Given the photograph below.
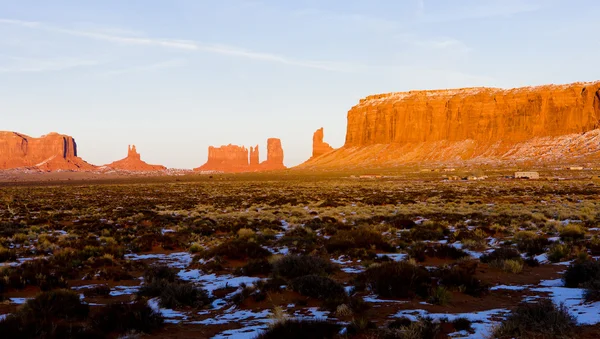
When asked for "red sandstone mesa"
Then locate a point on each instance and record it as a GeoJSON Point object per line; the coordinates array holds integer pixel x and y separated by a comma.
{"type": "Point", "coordinates": [320, 147]}
{"type": "Point", "coordinates": [50, 152]}
{"type": "Point", "coordinates": [134, 163]}
{"type": "Point", "coordinates": [543, 124]}
{"type": "Point", "coordinates": [234, 159]}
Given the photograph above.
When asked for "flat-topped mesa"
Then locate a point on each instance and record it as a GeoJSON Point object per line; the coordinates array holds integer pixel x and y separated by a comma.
{"type": "Point", "coordinates": [319, 146]}
{"type": "Point", "coordinates": [544, 124]}
{"type": "Point", "coordinates": [134, 163]}
{"type": "Point", "coordinates": [234, 159]}
{"type": "Point", "coordinates": [479, 114]}
{"type": "Point", "coordinates": [229, 158]}
{"type": "Point", "coordinates": [274, 156]}
{"type": "Point", "coordinates": [49, 152]}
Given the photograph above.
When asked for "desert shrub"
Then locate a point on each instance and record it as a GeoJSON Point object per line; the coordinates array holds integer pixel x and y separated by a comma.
{"type": "Point", "coordinates": [123, 317]}
{"type": "Point", "coordinates": [175, 294]}
{"type": "Point", "coordinates": [301, 329]}
{"type": "Point", "coordinates": [160, 272]}
{"type": "Point", "coordinates": [581, 272]}
{"type": "Point", "coordinates": [396, 280]}
{"type": "Point", "coordinates": [195, 248]}
{"type": "Point", "coordinates": [255, 267]}
{"type": "Point", "coordinates": [501, 254]}
{"type": "Point", "coordinates": [6, 254]}
{"type": "Point", "coordinates": [558, 252]}
{"type": "Point", "coordinates": [531, 244]}
{"type": "Point", "coordinates": [316, 286]}
{"type": "Point", "coordinates": [444, 251]}
{"type": "Point", "coordinates": [57, 304]}
{"type": "Point", "coordinates": [572, 232]}
{"type": "Point", "coordinates": [512, 266]}
{"type": "Point", "coordinates": [418, 251]}
{"type": "Point", "coordinates": [238, 249]}
{"type": "Point", "coordinates": [462, 324]}
{"type": "Point", "coordinates": [462, 277]}
{"type": "Point", "coordinates": [429, 230]}
{"type": "Point", "coordinates": [592, 290]}
{"type": "Point", "coordinates": [357, 238]}
{"type": "Point", "coordinates": [543, 319]}
{"type": "Point", "coordinates": [422, 328]}
{"type": "Point", "coordinates": [401, 222]}
{"type": "Point", "coordinates": [294, 266]}
{"type": "Point", "coordinates": [440, 296]}
{"type": "Point", "coordinates": [99, 290]}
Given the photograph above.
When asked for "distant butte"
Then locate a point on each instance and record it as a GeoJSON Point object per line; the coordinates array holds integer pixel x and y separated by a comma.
{"type": "Point", "coordinates": [134, 163]}
{"type": "Point", "coordinates": [51, 152]}
{"type": "Point", "coordinates": [544, 124]}
{"type": "Point", "coordinates": [235, 159]}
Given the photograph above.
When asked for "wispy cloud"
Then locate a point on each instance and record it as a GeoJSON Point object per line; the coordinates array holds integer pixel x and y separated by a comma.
{"type": "Point", "coordinates": [34, 65]}
{"type": "Point", "coordinates": [185, 45]}
{"type": "Point", "coordinates": [481, 10]}
{"type": "Point", "coordinates": [146, 68]}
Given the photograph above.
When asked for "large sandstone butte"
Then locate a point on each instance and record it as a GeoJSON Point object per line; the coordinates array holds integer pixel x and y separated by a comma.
{"type": "Point", "coordinates": [319, 146]}
{"type": "Point", "coordinates": [235, 159]}
{"type": "Point", "coordinates": [50, 152]}
{"type": "Point", "coordinates": [134, 163]}
{"type": "Point", "coordinates": [553, 123]}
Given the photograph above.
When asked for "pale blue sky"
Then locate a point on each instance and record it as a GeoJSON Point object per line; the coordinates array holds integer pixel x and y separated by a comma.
{"type": "Point", "coordinates": [174, 76]}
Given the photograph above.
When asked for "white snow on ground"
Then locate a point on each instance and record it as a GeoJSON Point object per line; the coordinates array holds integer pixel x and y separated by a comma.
{"type": "Point", "coordinates": [175, 260]}
{"type": "Point", "coordinates": [542, 258]}
{"type": "Point", "coordinates": [4, 316]}
{"type": "Point", "coordinates": [393, 256]}
{"type": "Point", "coordinates": [279, 250]}
{"type": "Point", "coordinates": [248, 332]}
{"type": "Point", "coordinates": [552, 283]}
{"type": "Point", "coordinates": [171, 316]}
{"type": "Point", "coordinates": [123, 290]}
{"type": "Point", "coordinates": [508, 287]}
{"type": "Point", "coordinates": [585, 313]}
{"type": "Point", "coordinates": [236, 315]}
{"type": "Point", "coordinates": [212, 282]}
{"type": "Point", "coordinates": [313, 313]}
{"type": "Point", "coordinates": [345, 265]}
{"type": "Point", "coordinates": [374, 299]}
{"type": "Point", "coordinates": [18, 301]}
{"type": "Point", "coordinates": [482, 322]}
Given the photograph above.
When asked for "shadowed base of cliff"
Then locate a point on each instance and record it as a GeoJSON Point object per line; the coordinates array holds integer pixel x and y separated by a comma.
{"type": "Point", "coordinates": [543, 150]}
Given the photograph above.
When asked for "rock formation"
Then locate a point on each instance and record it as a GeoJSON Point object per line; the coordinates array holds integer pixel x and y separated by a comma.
{"type": "Point", "coordinates": [254, 157]}
{"type": "Point", "coordinates": [50, 152]}
{"type": "Point", "coordinates": [320, 147]}
{"type": "Point", "coordinates": [545, 123]}
{"type": "Point", "coordinates": [274, 156]}
{"type": "Point", "coordinates": [134, 163]}
{"type": "Point", "coordinates": [234, 159]}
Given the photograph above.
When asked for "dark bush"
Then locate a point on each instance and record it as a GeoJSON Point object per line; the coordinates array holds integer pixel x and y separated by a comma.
{"type": "Point", "coordinates": [301, 329]}
{"type": "Point", "coordinates": [316, 286]}
{"type": "Point", "coordinates": [99, 290]}
{"type": "Point", "coordinates": [538, 320]}
{"type": "Point", "coordinates": [581, 272]}
{"type": "Point", "coordinates": [57, 304]}
{"type": "Point", "coordinates": [462, 324]}
{"type": "Point", "coordinates": [357, 238]}
{"type": "Point", "coordinates": [238, 249]}
{"type": "Point", "coordinates": [533, 245]}
{"type": "Point", "coordinates": [462, 277]}
{"type": "Point", "coordinates": [255, 267]}
{"type": "Point", "coordinates": [444, 251]}
{"type": "Point", "coordinates": [175, 294]}
{"type": "Point", "coordinates": [160, 272]}
{"type": "Point", "coordinates": [429, 231]}
{"type": "Point", "coordinates": [501, 254]}
{"type": "Point", "coordinates": [294, 266]}
{"type": "Point", "coordinates": [401, 222]}
{"type": "Point", "coordinates": [396, 280]}
{"type": "Point", "coordinates": [124, 317]}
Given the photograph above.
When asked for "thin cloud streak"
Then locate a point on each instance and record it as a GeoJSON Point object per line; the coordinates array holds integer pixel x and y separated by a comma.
{"type": "Point", "coordinates": [187, 45]}
{"type": "Point", "coordinates": [145, 68]}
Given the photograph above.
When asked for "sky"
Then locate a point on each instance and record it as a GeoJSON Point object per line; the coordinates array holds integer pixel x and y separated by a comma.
{"type": "Point", "coordinates": [175, 76]}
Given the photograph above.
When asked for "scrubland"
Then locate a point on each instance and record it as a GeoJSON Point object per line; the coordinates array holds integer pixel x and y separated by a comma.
{"type": "Point", "coordinates": [301, 256]}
